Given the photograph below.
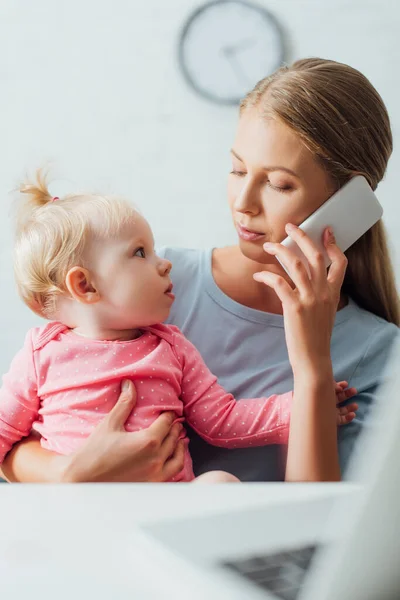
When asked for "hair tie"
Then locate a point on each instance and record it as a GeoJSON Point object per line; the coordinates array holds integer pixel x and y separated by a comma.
{"type": "Point", "coordinates": [55, 198]}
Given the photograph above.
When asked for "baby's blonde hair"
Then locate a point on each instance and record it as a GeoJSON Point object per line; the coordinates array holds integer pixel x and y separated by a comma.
{"type": "Point", "coordinates": [51, 236]}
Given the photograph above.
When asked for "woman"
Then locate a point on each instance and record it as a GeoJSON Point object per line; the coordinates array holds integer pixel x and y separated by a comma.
{"type": "Point", "coordinates": [303, 132]}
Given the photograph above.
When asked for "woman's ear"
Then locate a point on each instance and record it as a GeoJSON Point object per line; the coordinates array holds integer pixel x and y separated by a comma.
{"type": "Point", "coordinates": [80, 286]}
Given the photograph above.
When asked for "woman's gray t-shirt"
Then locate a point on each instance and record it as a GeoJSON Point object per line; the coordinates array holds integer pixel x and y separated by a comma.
{"type": "Point", "coordinates": [246, 349]}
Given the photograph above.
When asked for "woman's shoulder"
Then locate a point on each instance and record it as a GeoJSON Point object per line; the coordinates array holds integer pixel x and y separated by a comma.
{"type": "Point", "coordinates": [372, 338]}
{"type": "Point", "coordinates": [377, 329]}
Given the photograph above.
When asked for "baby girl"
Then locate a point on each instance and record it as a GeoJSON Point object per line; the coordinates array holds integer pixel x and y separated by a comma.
{"type": "Point", "coordinates": [87, 264]}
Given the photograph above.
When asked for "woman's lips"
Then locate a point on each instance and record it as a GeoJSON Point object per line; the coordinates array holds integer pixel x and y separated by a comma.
{"type": "Point", "coordinates": [247, 234]}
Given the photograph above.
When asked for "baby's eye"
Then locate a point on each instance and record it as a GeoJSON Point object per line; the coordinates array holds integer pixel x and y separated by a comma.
{"type": "Point", "coordinates": [140, 252]}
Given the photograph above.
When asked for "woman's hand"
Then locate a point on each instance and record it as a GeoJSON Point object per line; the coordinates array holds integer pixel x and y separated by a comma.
{"type": "Point", "coordinates": [109, 454]}
{"type": "Point", "coordinates": [309, 314]}
{"type": "Point", "coordinates": [113, 454]}
{"type": "Point", "coordinates": [309, 310]}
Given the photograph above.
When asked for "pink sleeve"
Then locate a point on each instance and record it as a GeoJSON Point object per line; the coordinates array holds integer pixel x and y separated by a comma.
{"type": "Point", "coordinates": [19, 403]}
{"type": "Point", "coordinates": [220, 419]}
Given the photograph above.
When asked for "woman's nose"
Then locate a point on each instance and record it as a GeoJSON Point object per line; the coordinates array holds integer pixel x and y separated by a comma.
{"type": "Point", "coordinates": [164, 266]}
{"type": "Point", "coordinates": [247, 200]}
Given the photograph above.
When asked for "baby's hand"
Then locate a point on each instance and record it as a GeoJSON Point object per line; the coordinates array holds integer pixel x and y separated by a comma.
{"type": "Point", "coordinates": [345, 414]}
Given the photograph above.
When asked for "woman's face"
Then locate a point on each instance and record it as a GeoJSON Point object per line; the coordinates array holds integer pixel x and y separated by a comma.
{"type": "Point", "coordinates": [274, 180]}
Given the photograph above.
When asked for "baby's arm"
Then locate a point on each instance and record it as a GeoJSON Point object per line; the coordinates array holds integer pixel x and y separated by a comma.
{"type": "Point", "coordinates": [19, 402]}
{"type": "Point", "coordinates": [215, 414]}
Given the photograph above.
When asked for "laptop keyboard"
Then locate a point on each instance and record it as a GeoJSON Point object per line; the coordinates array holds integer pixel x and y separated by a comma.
{"type": "Point", "coordinates": [282, 573]}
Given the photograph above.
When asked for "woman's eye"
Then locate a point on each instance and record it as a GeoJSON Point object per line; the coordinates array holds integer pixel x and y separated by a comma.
{"type": "Point", "coordinates": [140, 252]}
{"type": "Point", "coordinates": [278, 188]}
{"type": "Point", "coordinates": [238, 173]}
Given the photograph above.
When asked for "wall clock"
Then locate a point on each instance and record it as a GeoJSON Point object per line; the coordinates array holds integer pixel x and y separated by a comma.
{"type": "Point", "coordinates": [226, 46]}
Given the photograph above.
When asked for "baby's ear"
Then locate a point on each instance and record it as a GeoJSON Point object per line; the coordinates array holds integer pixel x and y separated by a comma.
{"type": "Point", "coordinates": [80, 286]}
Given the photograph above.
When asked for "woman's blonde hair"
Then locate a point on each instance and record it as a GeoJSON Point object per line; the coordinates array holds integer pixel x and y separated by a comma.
{"type": "Point", "coordinates": [342, 120]}
{"type": "Point", "coordinates": [51, 236]}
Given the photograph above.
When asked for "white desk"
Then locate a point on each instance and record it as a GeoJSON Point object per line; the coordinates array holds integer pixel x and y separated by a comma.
{"type": "Point", "coordinates": [82, 541]}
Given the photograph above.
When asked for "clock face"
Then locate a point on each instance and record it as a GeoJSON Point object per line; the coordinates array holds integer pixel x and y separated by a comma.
{"type": "Point", "coordinates": [227, 46]}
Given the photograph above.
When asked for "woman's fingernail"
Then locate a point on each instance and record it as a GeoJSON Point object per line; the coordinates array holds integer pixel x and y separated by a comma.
{"type": "Point", "coordinates": [331, 235]}
{"type": "Point", "coordinates": [290, 227]}
{"type": "Point", "coordinates": [268, 245]}
{"type": "Point", "coordinates": [126, 385]}
{"type": "Point", "coordinates": [257, 276]}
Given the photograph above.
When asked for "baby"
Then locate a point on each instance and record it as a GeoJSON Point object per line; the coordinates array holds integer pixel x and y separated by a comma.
{"type": "Point", "coordinates": [87, 263]}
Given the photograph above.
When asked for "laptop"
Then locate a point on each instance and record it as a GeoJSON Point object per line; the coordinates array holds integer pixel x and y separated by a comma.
{"type": "Point", "coordinates": [337, 546]}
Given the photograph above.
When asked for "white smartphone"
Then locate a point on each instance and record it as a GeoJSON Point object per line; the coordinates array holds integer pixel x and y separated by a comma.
{"type": "Point", "coordinates": [351, 211]}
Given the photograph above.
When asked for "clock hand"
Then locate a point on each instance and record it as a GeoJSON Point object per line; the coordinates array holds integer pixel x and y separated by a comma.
{"type": "Point", "coordinates": [237, 69]}
{"type": "Point", "coordinates": [229, 50]}
{"type": "Point", "coordinates": [230, 53]}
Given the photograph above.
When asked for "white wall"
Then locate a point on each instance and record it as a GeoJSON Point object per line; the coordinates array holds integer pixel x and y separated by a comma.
{"type": "Point", "coordinates": [93, 85]}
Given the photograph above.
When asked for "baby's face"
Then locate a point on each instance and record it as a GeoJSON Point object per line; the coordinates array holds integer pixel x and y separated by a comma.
{"type": "Point", "coordinates": [132, 280]}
